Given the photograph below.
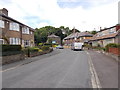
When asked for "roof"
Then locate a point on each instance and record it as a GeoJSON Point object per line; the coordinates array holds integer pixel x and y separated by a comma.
{"type": "Point", "coordinates": [77, 35]}
{"type": "Point", "coordinates": [105, 36]}
{"type": "Point", "coordinates": [117, 27]}
{"type": "Point", "coordinates": [54, 36]}
{"type": "Point", "coordinates": [14, 20]}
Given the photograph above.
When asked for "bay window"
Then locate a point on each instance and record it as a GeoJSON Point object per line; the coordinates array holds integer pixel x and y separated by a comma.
{"type": "Point", "coordinates": [15, 41]}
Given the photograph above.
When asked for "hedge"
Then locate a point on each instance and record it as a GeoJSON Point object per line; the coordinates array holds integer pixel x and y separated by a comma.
{"type": "Point", "coordinates": [10, 49]}
{"type": "Point", "coordinates": [113, 45]}
{"type": "Point", "coordinates": [6, 48]}
{"type": "Point", "coordinates": [8, 53]}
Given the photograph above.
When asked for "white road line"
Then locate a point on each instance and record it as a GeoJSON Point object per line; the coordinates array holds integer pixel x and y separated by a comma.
{"type": "Point", "coordinates": [11, 68]}
{"type": "Point", "coordinates": [94, 77]}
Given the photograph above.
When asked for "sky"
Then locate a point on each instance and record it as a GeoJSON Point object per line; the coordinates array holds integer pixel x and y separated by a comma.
{"type": "Point", "coordinates": [84, 15]}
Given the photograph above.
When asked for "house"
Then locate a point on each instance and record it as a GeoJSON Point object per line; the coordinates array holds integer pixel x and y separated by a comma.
{"type": "Point", "coordinates": [54, 39]}
{"type": "Point", "coordinates": [106, 36]}
{"type": "Point", "coordinates": [14, 32]}
{"type": "Point", "coordinates": [83, 37]}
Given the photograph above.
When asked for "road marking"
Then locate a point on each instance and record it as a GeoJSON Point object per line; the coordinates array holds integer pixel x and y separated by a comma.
{"type": "Point", "coordinates": [94, 77]}
{"type": "Point", "coordinates": [11, 68]}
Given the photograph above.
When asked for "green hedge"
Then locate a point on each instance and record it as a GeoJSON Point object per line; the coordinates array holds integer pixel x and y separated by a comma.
{"type": "Point", "coordinates": [10, 49]}
{"type": "Point", "coordinates": [8, 53]}
{"type": "Point", "coordinates": [113, 45]}
{"type": "Point", "coordinates": [6, 48]}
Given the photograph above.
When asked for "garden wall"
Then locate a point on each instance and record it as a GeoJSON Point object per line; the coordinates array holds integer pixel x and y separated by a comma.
{"type": "Point", "coordinates": [115, 51]}
{"type": "Point", "coordinates": [12, 58]}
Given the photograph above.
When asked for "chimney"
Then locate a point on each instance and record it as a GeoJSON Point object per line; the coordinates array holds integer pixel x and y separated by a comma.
{"type": "Point", "coordinates": [100, 28]}
{"type": "Point", "coordinates": [4, 11]}
{"type": "Point", "coordinates": [74, 30]}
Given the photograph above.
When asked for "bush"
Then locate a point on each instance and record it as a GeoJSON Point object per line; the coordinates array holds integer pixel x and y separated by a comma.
{"type": "Point", "coordinates": [11, 48]}
{"type": "Point", "coordinates": [31, 49]}
{"type": "Point", "coordinates": [113, 45]}
{"type": "Point", "coordinates": [45, 48]}
{"type": "Point", "coordinates": [41, 44]}
{"type": "Point", "coordinates": [8, 53]}
{"type": "Point", "coordinates": [48, 44]}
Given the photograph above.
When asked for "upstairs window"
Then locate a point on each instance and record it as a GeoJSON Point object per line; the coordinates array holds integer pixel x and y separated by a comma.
{"type": "Point", "coordinates": [112, 30]}
{"type": "Point", "coordinates": [2, 24]}
{"type": "Point", "coordinates": [14, 26]}
{"type": "Point", "coordinates": [25, 30]}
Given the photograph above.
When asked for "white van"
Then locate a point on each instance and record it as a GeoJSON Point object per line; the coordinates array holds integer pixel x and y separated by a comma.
{"type": "Point", "coordinates": [77, 46]}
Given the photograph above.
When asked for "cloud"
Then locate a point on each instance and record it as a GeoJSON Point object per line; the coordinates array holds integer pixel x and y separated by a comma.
{"type": "Point", "coordinates": [86, 4]}
{"type": "Point", "coordinates": [39, 13]}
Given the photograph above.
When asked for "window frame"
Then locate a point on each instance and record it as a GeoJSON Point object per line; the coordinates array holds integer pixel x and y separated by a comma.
{"type": "Point", "coordinates": [2, 25]}
{"type": "Point", "coordinates": [14, 26]}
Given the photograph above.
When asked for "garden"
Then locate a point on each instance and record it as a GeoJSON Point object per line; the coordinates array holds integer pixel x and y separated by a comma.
{"type": "Point", "coordinates": [11, 53]}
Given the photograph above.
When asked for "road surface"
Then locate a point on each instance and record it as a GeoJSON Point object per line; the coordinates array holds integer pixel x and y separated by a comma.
{"type": "Point", "coordinates": [67, 69]}
{"type": "Point", "coordinates": [63, 68]}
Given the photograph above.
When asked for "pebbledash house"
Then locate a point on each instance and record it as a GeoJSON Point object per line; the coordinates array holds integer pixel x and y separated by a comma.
{"type": "Point", "coordinates": [14, 32]}
{"type": "Point", "coordinates": [106, 36]}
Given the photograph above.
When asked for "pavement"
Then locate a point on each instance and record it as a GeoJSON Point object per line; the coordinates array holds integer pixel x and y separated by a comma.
{"type": "Point", "coordinates": [106, 68]}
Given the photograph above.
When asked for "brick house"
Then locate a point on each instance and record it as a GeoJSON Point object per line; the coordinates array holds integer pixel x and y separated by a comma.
{"type": "Point", "coordinates": [14, 32]}
{"type": "Point", "coordinates": [54, 39]}
{"type": "Point", "coordinates": [83, 37]}
{"type": "Point", "coordinates": [106, 36]}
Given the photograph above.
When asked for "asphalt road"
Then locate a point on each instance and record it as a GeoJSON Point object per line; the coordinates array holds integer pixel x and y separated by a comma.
{"type": "Point", "coordinates": [66, 69]}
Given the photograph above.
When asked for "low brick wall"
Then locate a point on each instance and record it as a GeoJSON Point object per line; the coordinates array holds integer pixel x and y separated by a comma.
{"type": "Point", "coordinates": [12, 58]}
{"type": "Point", "coordinates": [115, 51]}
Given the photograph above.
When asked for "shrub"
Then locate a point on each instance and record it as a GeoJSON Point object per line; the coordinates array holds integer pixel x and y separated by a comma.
{"type": "Point", "coordinates": [41, 44]}
{"type": "Point", "coordinates": [45, 48]}
{"type": "Point", "coordinates": [40, 50]}
{"type": "Point", "coordinates": [10, 49]}
{"type": "Point", "coordinates": [48, 44]}
{"type": "Point", "coordinates": [113, 45]}
{"type": "Point", "coordinates": [33, 49]}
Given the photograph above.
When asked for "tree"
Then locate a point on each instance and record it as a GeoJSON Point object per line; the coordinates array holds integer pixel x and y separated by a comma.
{"type": "Point", "coordinates": [93, 32]}
{"type": "Point", "coordinates": [41, 34]}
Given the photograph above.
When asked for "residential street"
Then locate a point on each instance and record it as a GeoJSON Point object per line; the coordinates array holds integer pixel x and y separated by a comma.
{"type": "Point", "coordinates": [61, 69]}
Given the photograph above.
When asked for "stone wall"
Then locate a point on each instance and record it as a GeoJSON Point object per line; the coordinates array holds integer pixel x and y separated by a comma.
{"type": "Point", "coordinates": [12, 58]}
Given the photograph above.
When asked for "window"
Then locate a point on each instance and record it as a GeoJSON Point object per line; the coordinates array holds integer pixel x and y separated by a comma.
{"type": "Point", "coordinates": [25, 30]}
{"type": "Point", "coordinates": [15, 41]}
{"type": "Point", "coordinates": [112, 30]}
{"type": "Point", "coordinates": [1, 41]}
{"type": "Point", "coordinates": [26, 43]}
{"type": "Point", "coordinates": [2, 24]}
{"type": "Point", "coordinates": [31, 32]}
{"type": "Point", "coordinates": [14, 26]}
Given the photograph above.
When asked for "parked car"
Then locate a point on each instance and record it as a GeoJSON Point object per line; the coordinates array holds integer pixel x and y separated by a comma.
{"type": "Point", "coordinates": [59, 47]}
{"type": "Point", "coordinates": [77, 46]}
